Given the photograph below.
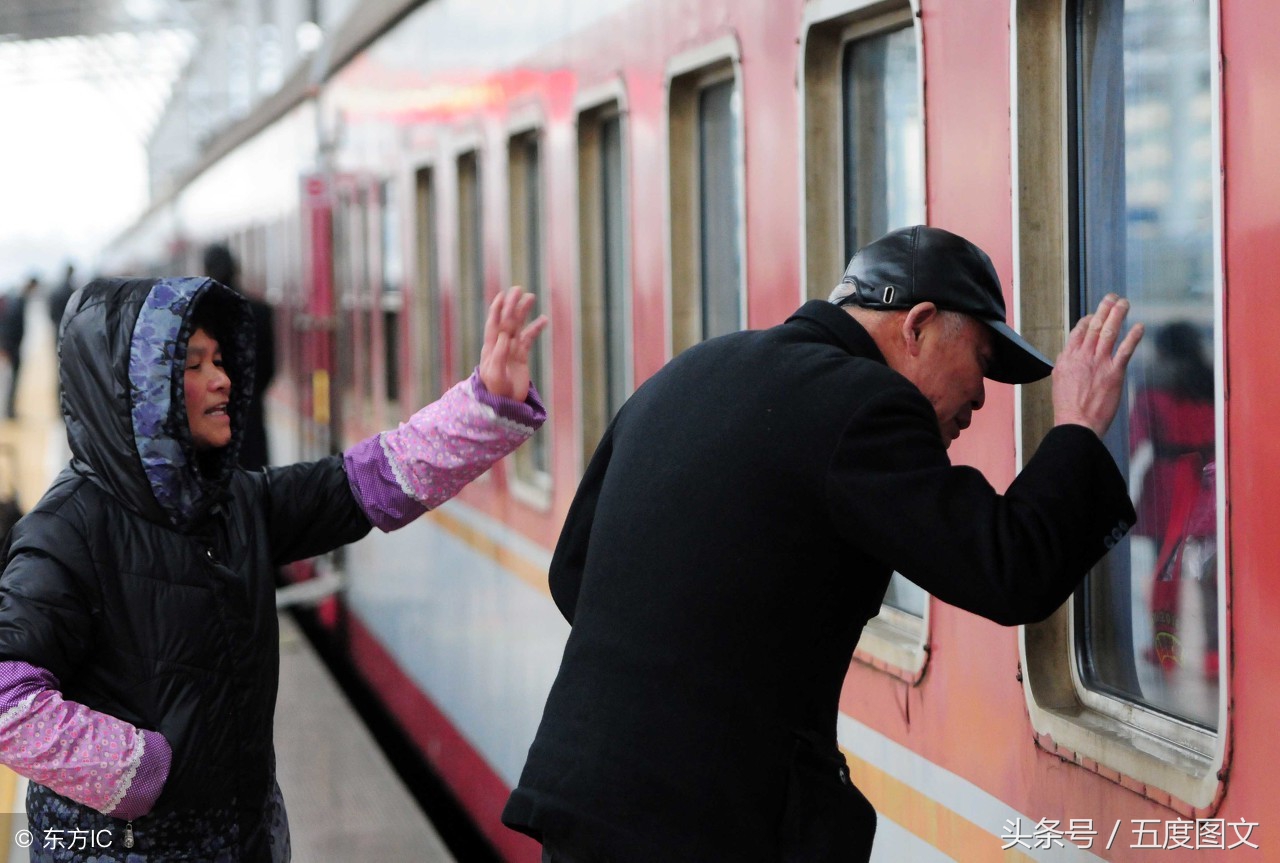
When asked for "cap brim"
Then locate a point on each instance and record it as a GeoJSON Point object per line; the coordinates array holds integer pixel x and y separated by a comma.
{"type": "Point", "coordinates": [1015, 360]}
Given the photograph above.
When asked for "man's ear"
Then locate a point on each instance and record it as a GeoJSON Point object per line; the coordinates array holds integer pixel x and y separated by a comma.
{"type": "Point", "coordinates": [913, 324]}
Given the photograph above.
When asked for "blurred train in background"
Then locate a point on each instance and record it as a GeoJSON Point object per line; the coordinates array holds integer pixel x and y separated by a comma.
{"type": "Point", "coordinates": [666, 171]}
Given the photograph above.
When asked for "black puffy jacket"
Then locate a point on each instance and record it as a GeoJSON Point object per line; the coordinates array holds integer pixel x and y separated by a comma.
{"type": "Point", "coordinates": [143, 578]}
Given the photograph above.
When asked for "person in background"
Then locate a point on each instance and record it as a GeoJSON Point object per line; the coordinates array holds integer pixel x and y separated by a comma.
{"type": "Point", "coordinates": [13, 328]}
{"type": "Point", "coordinates": [59, 296]}
{"type": "Point", "coordinates": [738, 526]}
{"type": "Point", "coordinates": [58, 299]}
{"type": "Point", "coordinates": [139, 645]}
{"type": "Point", "coordinates": [1172, 436]}
{"type": "Point", "coordinates": [221, 266]}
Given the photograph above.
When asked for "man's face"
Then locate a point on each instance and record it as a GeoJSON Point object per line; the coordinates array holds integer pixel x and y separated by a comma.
{"type": "Point", "coordinates": [949, 371]}
{"type": "Point", "coordinates": [208, 392]}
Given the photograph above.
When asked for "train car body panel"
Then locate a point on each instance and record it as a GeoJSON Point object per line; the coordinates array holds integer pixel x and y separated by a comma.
{"type": "Point", "coordinates": [478, 642]}
{"type": "Point", "coordinates": [1251, 70]}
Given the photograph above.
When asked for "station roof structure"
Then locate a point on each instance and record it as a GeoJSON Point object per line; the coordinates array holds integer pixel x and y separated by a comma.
{"type": "Point", "coordinates": [70, 69]}
{"type": "Point", "coordinates": [22, 20]}
{"type": "Point", "coordinates": [131, 50]}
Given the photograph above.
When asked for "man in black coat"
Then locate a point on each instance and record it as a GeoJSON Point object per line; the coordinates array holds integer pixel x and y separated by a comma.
{"type": "Point", "coordinates": [738, 526]}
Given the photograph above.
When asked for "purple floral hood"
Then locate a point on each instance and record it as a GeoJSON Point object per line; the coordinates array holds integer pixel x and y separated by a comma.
{"type": "Point", "coordinates": [123, 355]}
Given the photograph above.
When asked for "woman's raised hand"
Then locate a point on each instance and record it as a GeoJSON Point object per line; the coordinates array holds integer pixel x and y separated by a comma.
{"type": "Point", "coordinates": [504, 359]}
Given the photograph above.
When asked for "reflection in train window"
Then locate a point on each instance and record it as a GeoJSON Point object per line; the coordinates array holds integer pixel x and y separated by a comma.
{"type": "Point", "coordinates": [1147, 621]}
{"type": "Point", "coordinates": [707, 283]}
{"type": "Point", "coordinates": [531, 462]}
{"type": "Point", "coordinates": [471, 301]}
{"type": "Point", "coordinates": [391, 298]}
{"type": "Point", "coordinates": [604, 317]}
{"type": "Point", "coordinates": [883, 137]}
{"type": "Point", "coordinates": [426, 302]}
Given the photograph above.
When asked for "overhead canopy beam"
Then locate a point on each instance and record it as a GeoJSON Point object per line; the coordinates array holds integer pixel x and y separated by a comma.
{"type": "Point", "coordinates": [52, 19]}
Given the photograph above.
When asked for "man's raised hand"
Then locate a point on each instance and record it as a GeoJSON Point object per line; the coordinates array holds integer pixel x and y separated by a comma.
{"type": "Point", "coordinates": [1088, 376]}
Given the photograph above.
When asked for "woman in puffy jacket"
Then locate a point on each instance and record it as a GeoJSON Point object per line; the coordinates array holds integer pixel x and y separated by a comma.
{"type": "Point", "coordinates": [139, 651]}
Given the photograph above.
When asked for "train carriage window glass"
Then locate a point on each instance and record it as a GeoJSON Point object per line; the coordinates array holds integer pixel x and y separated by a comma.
{"type": "Point", "coordinates": [707, 283]}
{"type": "Point", "coordinates": [345, 278]}
{"type": "Point", "coordinates": [720, 207]}
{"type": "Point", "coordinates": [905, 596]}
{"type": "Point", "coordinates": [471, 298]}
{"type": "Point", "coordinates": [426, 301]}
{"type": "Point", "coordinates": [362, 283]}
{"type": "Point", "coordinates": [615, 261]}
{"type": "Point", "coordinates": [603, 271]}
{"type": "Point", "coordinates": [391, 300]}
{"type": "Point", "coordinates": [350, 247]}
{"type": "Point", "coordinates": [883, 137]}
{"type": "Point", "coordinates": [532, 462]}
{"type": "Point", "coordinates": [1147, 620]}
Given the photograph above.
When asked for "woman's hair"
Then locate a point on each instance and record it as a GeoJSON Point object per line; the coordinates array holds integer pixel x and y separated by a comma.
{"type": "Point", "coordinates": [215, 315]}
{"type": "Point", "coordinates": [1181, 361]}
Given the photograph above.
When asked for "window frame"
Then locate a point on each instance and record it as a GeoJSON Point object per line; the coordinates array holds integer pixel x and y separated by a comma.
{"type": "Point", "coordinates": [469, 259]}
{"type": "Point", "coordinates": [430, 354]}
{"type": "Point", "coordinates": [828, 29]}
{"type": "Point", "coordinates": [527, 482]}
{"type": "Point", "coordinates": [352, 295]}
{"type": "Point", "coordinates": [687, 76]}
{"type": "Point", "coordinates": [593, 109]}
{"type": "Point", "coordinates": [1176, 763]}
{"type": "Point", "coordinates": [390, 303]}
{"type": "Point", "coordinates": [894, 641]}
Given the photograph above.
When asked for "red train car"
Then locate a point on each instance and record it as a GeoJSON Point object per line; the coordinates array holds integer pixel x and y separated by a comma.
{"type": "Point", "coordinates": [667, 171]}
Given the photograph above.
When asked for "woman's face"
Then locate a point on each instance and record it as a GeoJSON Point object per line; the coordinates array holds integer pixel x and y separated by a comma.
{"type": "Point", "coordinates": [208, 393]}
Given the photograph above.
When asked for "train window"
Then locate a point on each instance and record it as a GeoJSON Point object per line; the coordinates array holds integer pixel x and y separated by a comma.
{"type": "Point", "coordinates": [1144, 187]}
{"type": "Point", "coordinates": [604, 285]}
{"type": "Point", "coordinates": [720, 199]}
{"type": "Point", "coordinates": [531, 462]}
{"type": "Point", "coordinates": [426, 301]}
{"type": "Point", "coordinates": [708, 285]}
{"type": "Point", "coordinates": [361, 295]}
{"type": "Point", "coordinates": [1140, 119]}
{"type": "Point", "coordinates": [471, 301]}
{"type": "Point", "coordinates": [346, 274]}
{"type": "Point", "coordinates": [278, 250]}
{"type": "Point", "coordinates": [864, 124]}
{"type": "Point", "coordinates": [351, 252]}
{"type": "Point", "coordinates": [391, 299]}
{"type": "Point", "coordinates": [883, 136]}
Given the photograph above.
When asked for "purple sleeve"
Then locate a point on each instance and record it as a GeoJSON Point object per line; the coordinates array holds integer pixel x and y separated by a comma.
{"type": "Point", "coordinates": [88, 756]}
{"type": "Point", "coordinates": [398, 475]}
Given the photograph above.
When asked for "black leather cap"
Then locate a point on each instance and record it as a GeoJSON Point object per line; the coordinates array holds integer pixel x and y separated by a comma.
{"type": "Point", "coordinates": [921, 264]}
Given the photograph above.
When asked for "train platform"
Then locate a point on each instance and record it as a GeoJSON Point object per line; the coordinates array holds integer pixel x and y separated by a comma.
{"type": "Point", "coordinates": [344, 799]}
